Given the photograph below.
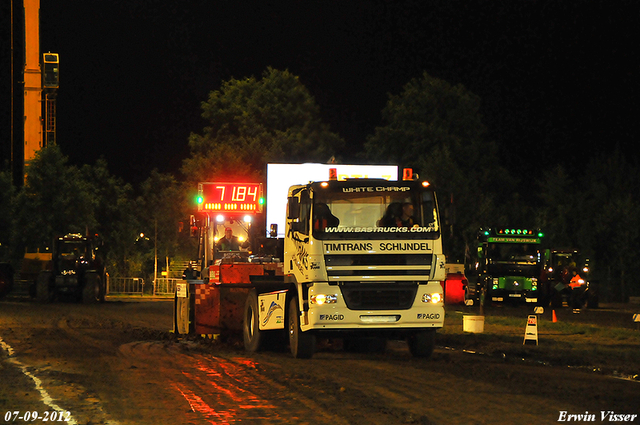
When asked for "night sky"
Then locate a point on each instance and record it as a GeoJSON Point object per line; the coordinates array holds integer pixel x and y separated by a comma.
{"type": "Point", "coordinates": [558, 79]}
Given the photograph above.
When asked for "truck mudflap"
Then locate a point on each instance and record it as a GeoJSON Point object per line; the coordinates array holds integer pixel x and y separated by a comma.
{"type": "Point", "coordinates": [272, 307]}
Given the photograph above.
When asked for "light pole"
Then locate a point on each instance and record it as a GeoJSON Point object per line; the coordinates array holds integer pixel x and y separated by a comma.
{"type": "Point", "coordinates": [155, 257]}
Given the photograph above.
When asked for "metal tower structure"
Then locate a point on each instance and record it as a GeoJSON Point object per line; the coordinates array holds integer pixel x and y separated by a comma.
{"type": "Point", "coordinates": [34, 85]}
{"type": "Point", "coordinates": [32, 80]}
{"type": "Point", "coordinates": [50, 82]}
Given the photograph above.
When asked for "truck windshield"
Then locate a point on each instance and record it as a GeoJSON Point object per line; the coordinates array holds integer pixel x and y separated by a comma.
{"type": "Point", "coordinates": [375, 215]}
{"type": "Point", "coordinates": [72, 250]}
{"type": "Point", "coordinates": [501, 253]}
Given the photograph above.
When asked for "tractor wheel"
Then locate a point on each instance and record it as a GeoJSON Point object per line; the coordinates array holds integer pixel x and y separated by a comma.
{"type": "Point", "coordinates": [91, 291]}
{"type": "Point", "coordinates": [302, 344]}
{"type": "Point", "coordinates": [422, 343]}
{"type": "Point", "coordinates": [43, 293]}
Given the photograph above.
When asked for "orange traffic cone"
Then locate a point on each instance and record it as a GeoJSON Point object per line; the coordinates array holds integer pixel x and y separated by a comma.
{"type": "Point", "coordinates": [553, 315]}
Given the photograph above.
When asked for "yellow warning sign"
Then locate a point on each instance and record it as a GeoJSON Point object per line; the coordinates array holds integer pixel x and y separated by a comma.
{"type": "Point", "coordinates": [531, 331]}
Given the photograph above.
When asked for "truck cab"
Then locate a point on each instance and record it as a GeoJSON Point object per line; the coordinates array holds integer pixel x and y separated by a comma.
{"type": "Point", "coordinates": [364, 258]}
{"type": "Point", "coordinates": [509, 265]}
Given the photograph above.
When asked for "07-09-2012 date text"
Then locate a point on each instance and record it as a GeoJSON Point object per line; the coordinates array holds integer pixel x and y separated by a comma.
{"type": "Point", "coordinates": [32, 416]}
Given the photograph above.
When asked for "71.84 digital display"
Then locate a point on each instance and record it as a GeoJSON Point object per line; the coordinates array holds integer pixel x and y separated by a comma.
{"type": "Point", "coordinates": [230, 197]}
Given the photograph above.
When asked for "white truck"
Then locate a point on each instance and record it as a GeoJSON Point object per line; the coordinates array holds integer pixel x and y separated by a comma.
{"type": "Point", "coordinates": [362, 259]}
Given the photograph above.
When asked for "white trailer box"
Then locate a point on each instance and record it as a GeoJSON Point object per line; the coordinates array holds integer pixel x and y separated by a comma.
{"type": "Point", "coordinates": [282, 176]}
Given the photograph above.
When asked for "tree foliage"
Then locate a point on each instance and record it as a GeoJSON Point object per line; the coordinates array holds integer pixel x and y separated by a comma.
{"type": "Point", "coordinates": [597, 212]}
{"type": "Point", "coordinates": [55, 200]}
{"type": "Point", "coordinates": [117, 221]}
{"type": "Point", "coordinates": [162, 205]}
{"type": "Point", "coordinates": [437, 128]}
{"type": "Point", "coordinates": [6, 215]}
{"type": "Point", "coordinates": [255, 121]}
{"type": "Point", "coordinates": [431, 126]}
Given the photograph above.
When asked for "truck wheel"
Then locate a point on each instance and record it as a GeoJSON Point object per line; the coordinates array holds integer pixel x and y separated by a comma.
{"type": "Point", "coordinates": [422, 343]}
{"type": "Point", "coordinates": [252, 335]}
{"type": "Point", "coordinates": [91, 289]}
{"type": "Point", "coordinates": [43, 293]}
{"type": "Point", "coordinates": [303, 344]}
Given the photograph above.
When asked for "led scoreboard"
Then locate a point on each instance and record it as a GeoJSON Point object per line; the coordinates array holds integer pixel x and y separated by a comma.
{"type": "Point", "coordinates": [230, 197]}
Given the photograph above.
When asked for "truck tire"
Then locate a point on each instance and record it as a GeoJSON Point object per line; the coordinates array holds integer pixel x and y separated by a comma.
{"type": "Point", "coordinates": [422, 343]}
{"type": "Point", "coordinates": [251, 334]}
{"type": "Point", "coordinates": [43, 293]}
{"type": "Point", "coordinates": [302, 344]}
{"type": "Point", "coordinates": [91, 290]}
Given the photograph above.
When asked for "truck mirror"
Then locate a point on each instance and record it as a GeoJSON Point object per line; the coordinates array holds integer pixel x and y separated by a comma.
{"type": "Point", "coordinates": [293, 208]}
{"type": "Point", "coordinates": [273, 230]}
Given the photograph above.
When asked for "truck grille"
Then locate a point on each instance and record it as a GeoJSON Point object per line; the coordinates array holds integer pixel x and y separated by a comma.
{"type": "Point", "coordinates": [378, 267]}
{"type": "Point", "coordinates": [379, 295]}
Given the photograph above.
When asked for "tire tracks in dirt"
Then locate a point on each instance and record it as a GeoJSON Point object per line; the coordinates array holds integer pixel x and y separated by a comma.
{"type": "Point", "coordinates": [220, 389]}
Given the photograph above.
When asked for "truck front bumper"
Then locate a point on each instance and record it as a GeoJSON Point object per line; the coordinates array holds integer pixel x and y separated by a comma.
{"type": "Point", "coordinates": [506, 295]}
{"type": "Point", "coordinates": [425, 312]}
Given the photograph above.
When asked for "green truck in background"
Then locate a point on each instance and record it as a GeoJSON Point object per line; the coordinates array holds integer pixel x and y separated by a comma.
{"type": "Point", "coordinates": [508, 267]}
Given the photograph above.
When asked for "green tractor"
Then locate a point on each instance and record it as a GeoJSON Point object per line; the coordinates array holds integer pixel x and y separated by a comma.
{"type": "Point", "coordinates": [76, 271]}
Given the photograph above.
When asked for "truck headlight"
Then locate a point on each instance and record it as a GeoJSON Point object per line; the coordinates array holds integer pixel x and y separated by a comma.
{"type": "Point", "coordinates": [320, 299]}
{"type": "Point", "coordinates": [434, 298]}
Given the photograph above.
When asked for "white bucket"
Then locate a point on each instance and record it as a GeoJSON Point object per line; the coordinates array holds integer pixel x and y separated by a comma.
{"type": "Point", "coordinates": [474, 324]}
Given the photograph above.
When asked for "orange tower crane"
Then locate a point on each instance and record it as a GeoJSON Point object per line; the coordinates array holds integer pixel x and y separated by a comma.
{"type": "Point", "coordinates": [32, 80]}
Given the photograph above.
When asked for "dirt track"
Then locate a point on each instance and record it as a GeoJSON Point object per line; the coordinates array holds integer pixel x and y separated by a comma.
{"type": "Point", "coordinates": [117, 363]}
